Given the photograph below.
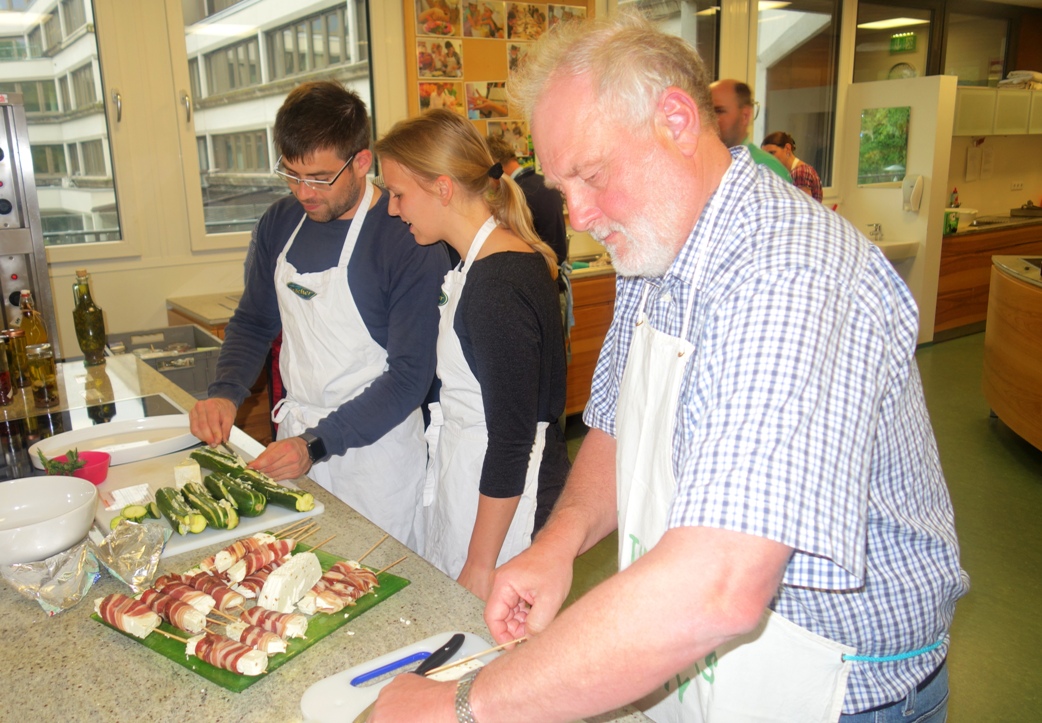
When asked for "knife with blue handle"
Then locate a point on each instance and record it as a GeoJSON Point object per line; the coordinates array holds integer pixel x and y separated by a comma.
{"type": "Point", "coordinates": [430, 662]}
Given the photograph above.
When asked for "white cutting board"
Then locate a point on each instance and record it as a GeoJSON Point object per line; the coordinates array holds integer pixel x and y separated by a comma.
{"type": "Point", "coordinates": [335, 700]}
{"type": "Point", "coordinates": [158, 472]}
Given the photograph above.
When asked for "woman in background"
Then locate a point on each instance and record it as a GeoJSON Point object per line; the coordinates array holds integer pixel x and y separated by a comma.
{"type": "Point", "coordinates": [782, 146]}
{"type": "Point", "coordinates": [500, 459]}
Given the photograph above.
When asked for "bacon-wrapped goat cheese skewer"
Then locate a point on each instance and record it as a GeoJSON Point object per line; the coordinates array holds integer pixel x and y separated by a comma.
{"type": "Point", "coordinates": [285, 625]}
{"type": "Point", "coordinates": [240, 548]}
{"type": "Point", "coordinates": [256, 559]}
{"type": "Point", "coordinates": [224, 597]}
{"type": "Point", "coordinates": [289, 581]}
{"type": "Point", "coordinates": [127, 614]}
{"type": "Point", "coordinates": [251, 585]}
{"type": "Point", "coordinates": [256, 637]}
{"type": "Point", "coordinates": [185, 593]}
{"type": "Point", "coordinates": [179, 614]}
{"type": "Point", "coordinates": [227, 654]}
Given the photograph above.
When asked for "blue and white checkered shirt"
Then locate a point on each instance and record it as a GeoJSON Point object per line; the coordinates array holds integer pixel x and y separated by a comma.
{"type": "Point", "coordinates": [802, 420]}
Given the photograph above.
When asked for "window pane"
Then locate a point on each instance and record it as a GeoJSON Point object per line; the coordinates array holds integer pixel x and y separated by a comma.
{"type": "Point", "coordinates": [68, 131]}
{"type": "Point", "coordinates": [235, 130]}
{"type": "Point", "coordinates": [976, 49]}
{"type": "Point", "coordinates": [693, 20]}
{"type": "Point", "coordinates": [796, 57]}
{"type": "Point", "coordinates": [891, 42]}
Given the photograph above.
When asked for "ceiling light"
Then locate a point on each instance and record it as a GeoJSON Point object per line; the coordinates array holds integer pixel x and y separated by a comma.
{"type": "Point", "coordinates": [892, 23]}
{"type": "Point", "coordinates": [223, 30]}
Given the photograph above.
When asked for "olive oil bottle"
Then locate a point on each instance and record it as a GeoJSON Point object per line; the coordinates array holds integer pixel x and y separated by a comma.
{"type": "Point", "coordinates": [32, 321]}
{"type": "Point", "coordinates": [89, 321]}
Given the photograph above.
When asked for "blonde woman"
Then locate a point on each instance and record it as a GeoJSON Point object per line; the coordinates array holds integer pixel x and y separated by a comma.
{"type": "Point", "coordinates": [500, 459]}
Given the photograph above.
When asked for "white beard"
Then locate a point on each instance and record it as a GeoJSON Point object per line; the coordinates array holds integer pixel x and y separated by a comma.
{"type": "Point", "coordinates": [642, 253]}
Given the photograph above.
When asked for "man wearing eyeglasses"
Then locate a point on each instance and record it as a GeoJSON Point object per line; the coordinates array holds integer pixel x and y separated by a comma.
{"type": "Point", "coordinates": [356, 301]}
{"type": "Point", "coordinates": [735, 109]}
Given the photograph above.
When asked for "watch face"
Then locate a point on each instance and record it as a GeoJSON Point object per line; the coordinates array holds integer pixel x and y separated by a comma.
{"type": "Point", "coordinates": [902, 70]}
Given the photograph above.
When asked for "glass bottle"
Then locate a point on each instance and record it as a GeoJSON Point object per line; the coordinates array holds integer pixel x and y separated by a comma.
{"type": "Point", "coordinates": [32, 321]}
{"type": "Point", "coordinates": [44, 374]}
{"type": "Point", "coordinates": [5, 375]}
{"type": "Point", "coordinates": [89, 321]}
{"type": "Point", "coordinates": [19, 365]}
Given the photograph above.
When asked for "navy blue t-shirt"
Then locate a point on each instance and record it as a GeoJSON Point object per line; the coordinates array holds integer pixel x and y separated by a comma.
{"type": "Point", "coordinates": [395, 283]}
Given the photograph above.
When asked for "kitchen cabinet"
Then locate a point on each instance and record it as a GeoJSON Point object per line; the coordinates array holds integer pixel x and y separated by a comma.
{"type": "Point", "coordinates": [1012, 376]}
{"type": "Point", "coordinates": [997, 111]}
{"type": "Point", "coordinates": [593, 304]}
{"type": "Point", "coordinates": [212, 312]}
{"type": "Point", "coordinates": [965, 273]}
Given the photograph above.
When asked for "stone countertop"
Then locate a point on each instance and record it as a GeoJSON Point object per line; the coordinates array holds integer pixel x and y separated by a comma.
{"type": "Point", "coordinates": [71, 668]}
{"type": "Point", "coordinates": [210, 309]}
{"type": "Point", "coordinates": [1019, 268]}
{"type": "Point", "coordinates": [1014, 222]}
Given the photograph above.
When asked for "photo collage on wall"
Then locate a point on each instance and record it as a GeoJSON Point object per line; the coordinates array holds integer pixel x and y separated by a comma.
{"type": "Point", "coordinates": [441, 63]}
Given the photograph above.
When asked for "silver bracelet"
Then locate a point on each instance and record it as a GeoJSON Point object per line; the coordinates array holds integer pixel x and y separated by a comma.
{"type": "Point", "coordinates": [464, 713]}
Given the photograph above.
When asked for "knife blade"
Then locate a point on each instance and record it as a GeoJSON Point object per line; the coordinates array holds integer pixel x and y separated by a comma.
{"type": "Point", "coordinates": [434, 660]}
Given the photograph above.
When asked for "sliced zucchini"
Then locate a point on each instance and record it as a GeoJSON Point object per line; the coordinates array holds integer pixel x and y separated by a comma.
{"type": "Point", "coordinates": [217, 461]}
{"type": "Point", "coordinates": [277, 494]}
{"type": "Point", "coordinates": [218, 513]}
{"type": "Point", "coordinates": [181, 516]}
{"type": "Point", "coordinates": [153, 510]}
{"type": "Point", "coordinates": [248, 501]}
{"type": "Point", "coordinates": [135, 513]}
{"type": "Point", "coordinates": [114, 522]}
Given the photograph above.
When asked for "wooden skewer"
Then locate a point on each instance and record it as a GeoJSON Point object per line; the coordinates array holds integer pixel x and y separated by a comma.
{"type": "Point", "coordinates": [218, 613]}
{"type": "Point", "coordinates": [379, 542]}
{"type": "Point", "coordinates": [400, 559]}
{"type": "Point", "coordinates": [170, 635]}
{"type": "Point", "coordinates": [475, 656]}
{"type": "Point", "coordinates": [321, 543]}
{"type": "Point", "coordinates": [300, 523]}
{"type": "Point", "coordinates": [303, 537]}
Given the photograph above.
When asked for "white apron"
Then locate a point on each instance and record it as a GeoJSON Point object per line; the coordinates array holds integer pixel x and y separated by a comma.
{"type": "Point", "coordinates": [328, 358]}
{"type": "Point", "coordinates": [780, 672]}
{"type": "Point", "coordinates": [451, 494]}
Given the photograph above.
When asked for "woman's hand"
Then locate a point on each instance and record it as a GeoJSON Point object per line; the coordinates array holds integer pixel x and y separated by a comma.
{"type": "Point", "coordinates": [477, 579]}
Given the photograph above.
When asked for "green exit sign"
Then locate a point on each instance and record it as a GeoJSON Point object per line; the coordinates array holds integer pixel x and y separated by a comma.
{"type": "Point", "coordinates": [902, 43]}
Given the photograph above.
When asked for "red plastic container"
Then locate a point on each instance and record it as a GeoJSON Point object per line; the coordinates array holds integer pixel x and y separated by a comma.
{"type": "Point", "coordinates": [96, 469]}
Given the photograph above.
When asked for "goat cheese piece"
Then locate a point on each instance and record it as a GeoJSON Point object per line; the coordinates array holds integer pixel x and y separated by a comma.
{"type": "Point", "coordinates": [187, 471]}
{"type": "Point", "coordinates": [289, 582]}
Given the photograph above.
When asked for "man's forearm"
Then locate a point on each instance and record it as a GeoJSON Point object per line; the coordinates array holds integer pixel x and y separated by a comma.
{"type": "Point", "coordinates": [586, 511]}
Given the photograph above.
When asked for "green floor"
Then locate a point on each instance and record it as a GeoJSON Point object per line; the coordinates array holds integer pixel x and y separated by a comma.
{"type": "Point", "coordinates": [995, 480]}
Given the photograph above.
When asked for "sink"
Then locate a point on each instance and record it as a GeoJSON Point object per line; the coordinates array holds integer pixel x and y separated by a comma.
{"type": "Point", "coordinates": [898, 250]}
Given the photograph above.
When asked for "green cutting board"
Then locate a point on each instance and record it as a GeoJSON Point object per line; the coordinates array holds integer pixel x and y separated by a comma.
{"type": "Point", "coordinates": [319, 626]}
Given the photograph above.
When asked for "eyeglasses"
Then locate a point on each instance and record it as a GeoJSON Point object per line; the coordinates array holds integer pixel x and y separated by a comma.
{"type": "Point", "coordinates": [311, 183]}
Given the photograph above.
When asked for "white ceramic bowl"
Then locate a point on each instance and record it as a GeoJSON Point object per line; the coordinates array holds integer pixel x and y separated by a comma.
{"type": "Point", "coordinates": [40, 516]}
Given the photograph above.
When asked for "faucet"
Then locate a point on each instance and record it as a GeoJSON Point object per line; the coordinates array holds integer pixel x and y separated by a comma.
{"type": "Point", "coordinates": [875, 232]}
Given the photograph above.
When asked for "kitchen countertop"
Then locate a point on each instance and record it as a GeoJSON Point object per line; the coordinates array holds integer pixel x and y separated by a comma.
{"type": "Point", "coordinates": [71, 668]}
{"type": "Point", "coordinates": [211, 309]}
{"type": "Point", "coordinates": [1014, 222]}
{"type": "Point", "coordinates": [1027, 270]}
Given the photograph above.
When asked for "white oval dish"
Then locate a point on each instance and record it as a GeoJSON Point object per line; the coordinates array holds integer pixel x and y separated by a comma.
{"type": "Point", "coordinates": [128, 441]}
{"type": "Point", "coordinates": [40, 516]}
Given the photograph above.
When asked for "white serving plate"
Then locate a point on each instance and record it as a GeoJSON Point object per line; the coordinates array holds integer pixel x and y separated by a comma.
{"type": "Point", "coordinates": [335, 700]}
{"type": "Point", "coordinates": [128, 441]}
{"type": "Point", "coordinates": [158, 472]}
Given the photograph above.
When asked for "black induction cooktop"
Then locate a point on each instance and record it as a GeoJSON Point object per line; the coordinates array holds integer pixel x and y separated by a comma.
{"type": "Point", "coordinates": [17, 435]}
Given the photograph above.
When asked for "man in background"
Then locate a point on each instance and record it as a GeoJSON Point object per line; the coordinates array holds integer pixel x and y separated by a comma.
{"type": "Point", "coordinates": [356, 301]}
{"type": "Point", "coordinates": [733, 103]}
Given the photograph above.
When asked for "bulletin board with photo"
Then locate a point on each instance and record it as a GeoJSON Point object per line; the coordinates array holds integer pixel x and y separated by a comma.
{"type": "Point", "coordinates": [463, 53]}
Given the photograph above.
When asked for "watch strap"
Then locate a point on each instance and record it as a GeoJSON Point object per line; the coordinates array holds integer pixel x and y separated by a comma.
{"type": "Point", "coordinates": [464, 713]}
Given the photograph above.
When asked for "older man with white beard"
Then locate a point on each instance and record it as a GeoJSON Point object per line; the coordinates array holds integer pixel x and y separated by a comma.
{"type": "Point", "coordinates": [758, 436]}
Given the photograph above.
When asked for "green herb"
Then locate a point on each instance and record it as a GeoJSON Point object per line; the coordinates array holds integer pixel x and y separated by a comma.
{"type": "Point", "coordinates": [71, 463]}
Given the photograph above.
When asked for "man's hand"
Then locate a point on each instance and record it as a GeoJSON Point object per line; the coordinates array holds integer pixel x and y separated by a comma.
{"type": "Point", "coordinates": [284, 459]}
{"type": "Point", "coordinates": [528, 591]}
{"type": "Point", "coordinates": [211, 420]}
{"type": "Point", "coordinates": [415, 698]}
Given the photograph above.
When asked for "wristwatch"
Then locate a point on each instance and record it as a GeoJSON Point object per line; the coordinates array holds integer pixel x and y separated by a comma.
{"type": "Point", "coordinates": [316, 447]}
{"type": "Point", "coordinates": [464, 713]}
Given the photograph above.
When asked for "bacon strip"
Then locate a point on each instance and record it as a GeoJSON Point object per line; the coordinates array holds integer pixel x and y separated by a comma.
{"type": "Point", "coordinates": [251, 585]}
{"type": "Point", "coordinates": [238, 550]}
{"type": "Point", "coordinates": [256, 559]}
{"type": "Point", "coordinates": [127, 614]}
{"type": "Point", "coordinates": [224, 653]}
{"type": "Point", "coordinates": [179, 614]}
{"type": "Point", "coordinates": [224, 597]}
{"type": "Point", "coordinates": [185, 593]}
{"type": "Point", "coordinates": [256, 637]}
{"type": "Point", "coordinates": [285, 625]}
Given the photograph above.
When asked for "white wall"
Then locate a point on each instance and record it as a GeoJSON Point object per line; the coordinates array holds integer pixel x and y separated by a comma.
{"type": "Point", "coordinates": [1015, 159]}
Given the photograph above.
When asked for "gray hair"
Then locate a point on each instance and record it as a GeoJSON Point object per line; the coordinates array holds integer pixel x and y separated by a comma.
{"type": "Point", "coordinates": [628, 61]}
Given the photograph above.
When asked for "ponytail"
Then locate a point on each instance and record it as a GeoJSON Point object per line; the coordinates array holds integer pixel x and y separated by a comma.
{"type": "Point", "coordinates": [511, 211]}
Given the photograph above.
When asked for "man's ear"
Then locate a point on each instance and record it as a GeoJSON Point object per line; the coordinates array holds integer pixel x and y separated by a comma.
{"type": "Point", "coordinates": [362, 162]}
{"type": "Point", "coordinates": [678, 116]}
